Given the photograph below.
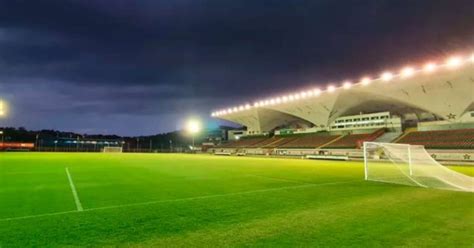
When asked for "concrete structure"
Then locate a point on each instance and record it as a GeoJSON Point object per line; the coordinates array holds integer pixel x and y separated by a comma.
{"type": "Point", "coordinates": [433, 92]}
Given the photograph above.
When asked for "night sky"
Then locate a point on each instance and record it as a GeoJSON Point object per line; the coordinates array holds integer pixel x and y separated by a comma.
{"type": "Point", "coordinates": [142, 67]}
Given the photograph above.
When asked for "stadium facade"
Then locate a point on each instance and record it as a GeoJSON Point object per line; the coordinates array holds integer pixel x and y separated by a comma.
{"type": "Point", "coordinates": [430, 97]}
{"type": "Point", "coordinates": [444, 92]}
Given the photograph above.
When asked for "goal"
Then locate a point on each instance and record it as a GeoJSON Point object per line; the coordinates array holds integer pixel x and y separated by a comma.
{"type": "Point", "coordinates": [112, 149]}
{"type": "Point", "coordinates": [410, 165]}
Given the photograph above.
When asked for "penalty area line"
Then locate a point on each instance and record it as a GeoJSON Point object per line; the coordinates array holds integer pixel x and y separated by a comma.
{"type": "Point", "coordinates": [180, 199]}
{"type": "Point", "coordinates": [74, 191]}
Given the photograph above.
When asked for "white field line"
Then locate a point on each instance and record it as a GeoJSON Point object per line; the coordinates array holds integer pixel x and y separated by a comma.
{"type": "Point", "coordinates": [181, 199]}
{"type": "Point", "coordinates": [74, 192]}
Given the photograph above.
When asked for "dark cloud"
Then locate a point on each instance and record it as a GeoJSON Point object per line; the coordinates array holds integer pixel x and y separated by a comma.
{"type": "Point", "coordinates": [138, 67]}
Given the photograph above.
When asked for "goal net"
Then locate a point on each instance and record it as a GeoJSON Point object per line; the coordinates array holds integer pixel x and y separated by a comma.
{"type": "Point", "coordinates": [112, 149]}
{"type": "Point", "coordinates": [410, 165]}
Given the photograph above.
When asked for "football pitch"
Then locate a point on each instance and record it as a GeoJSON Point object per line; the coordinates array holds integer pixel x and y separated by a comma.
{"type": "Point", "coordinates": [175, 200]}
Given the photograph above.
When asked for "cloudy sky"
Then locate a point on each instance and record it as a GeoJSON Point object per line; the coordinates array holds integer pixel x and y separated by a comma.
{"type": "Point", "coordinates": [142, 67]}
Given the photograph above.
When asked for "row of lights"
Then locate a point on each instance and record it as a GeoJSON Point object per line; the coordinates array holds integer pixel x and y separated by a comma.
{"type": "Point", "coordinates": [406, 72]}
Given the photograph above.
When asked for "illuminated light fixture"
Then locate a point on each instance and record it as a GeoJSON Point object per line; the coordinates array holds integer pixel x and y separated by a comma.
{"type": "Point", "coordinates": [331, 88]}
{"type": "Point", "coordinates": [193, 126]}
{"type": "Point", "coordinates": [316, 92]}
{"type": "Point", "coordinates": [347, 85]}
{"type": "Point", "coordinates": [365, 81]}
{"type": "Point", "coordinates": [429, 67]}
{"type": "Point", "coordinates": [454, 62]}
{"type": "Point", "coordinates": [387, 76]}
{"type": "Point", "coordinates": [407, 72]}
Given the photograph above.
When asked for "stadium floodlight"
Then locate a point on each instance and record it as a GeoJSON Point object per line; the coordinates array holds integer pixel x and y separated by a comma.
{"type": "Point", "coordinates": [247, 106]}
{"type": "Point", "coordinates": [235, 109]}
{"type": "Point", "coordinates": [331, 88]}
{"type": "Point", "coordinates": [303, 94]}
{"type": "Point", "coordinates": [407, 72]}
{"type": "Point", "coordinates": [365, 81]}
{"type": "Point", "coordinates": [316, 92]}
{"type": "Point", "coordinates": [193, 126]}
{"type": "Point", "coordinates": [454, 62]}
{"type": "Point", "coordinates": [241, 108]}
{"type": "Point", "coordinates": [278, 100]}
{"type": "Point", "coordinates": [297, 96]}
{"type": "Point", "coordinates": [309, 93]}
{"type": "Point", "coordinates": [291, 98]}
{"type": "Point", "coordinates": [387, 76]}
{"type": "Point", "coordinates": [472, 58]}
{"type": "Point", "coordinates": [347, 85]}
{"type": "Point", "coordinates": [284, 99]}
{"type": "Point", "coordinates": [2, 108]}
{"type": "Point", "coordinates": [429, 67]}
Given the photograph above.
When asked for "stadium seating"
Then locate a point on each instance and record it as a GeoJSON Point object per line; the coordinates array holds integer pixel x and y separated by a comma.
{"type": "Point", "coordinates": [308, 141]}
{"type": "Point", "coordinates": [355, 140]}
{"type": "Point", "coordinates": [277, 141]}
{"type": "Point", "coordinates": [445, 139]}
{"type": "Point", "coordinates": [244, 142]}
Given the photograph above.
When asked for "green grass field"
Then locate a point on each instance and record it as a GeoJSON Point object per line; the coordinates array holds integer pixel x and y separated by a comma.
{"type": "Point", "coordinates": [171, 200]}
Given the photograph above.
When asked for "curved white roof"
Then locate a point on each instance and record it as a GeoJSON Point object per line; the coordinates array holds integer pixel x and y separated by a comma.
{"type": "Point", "coordinates": [445, 90]}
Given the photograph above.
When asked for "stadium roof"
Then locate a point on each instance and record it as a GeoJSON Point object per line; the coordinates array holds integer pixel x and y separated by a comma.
{"type": "Point", "coordinates": [444, 89]}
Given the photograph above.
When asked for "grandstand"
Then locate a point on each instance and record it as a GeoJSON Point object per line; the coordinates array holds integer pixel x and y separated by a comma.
{"type": "Point", "coordinates": [355, 140]}
{"type": "Point", "coordinates": [430, 105]}
{"type": "Point", "coordinates": [443, 139]}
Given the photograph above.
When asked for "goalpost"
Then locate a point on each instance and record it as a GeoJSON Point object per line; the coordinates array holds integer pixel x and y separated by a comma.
{"type": "Point", "coordinates": [410, 165]}
{"type": "Point", "coordinates": [112, 149]}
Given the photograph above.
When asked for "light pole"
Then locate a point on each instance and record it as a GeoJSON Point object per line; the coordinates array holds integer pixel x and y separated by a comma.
{"type": "Point", "coordinates": [36, 142]}
{"type": "Point", "coordinates": [193, 127]}
{"type": "Point", "coordinates": [2, 113]}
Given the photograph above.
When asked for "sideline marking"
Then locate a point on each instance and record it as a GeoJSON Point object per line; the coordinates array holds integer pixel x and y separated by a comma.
{"type": "Point", "coordinates": [74, 191]}
{"type": "Point", "coordinates": [180, 199]}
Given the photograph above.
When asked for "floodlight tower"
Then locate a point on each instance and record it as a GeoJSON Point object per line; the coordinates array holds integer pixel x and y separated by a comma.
{"type": "Point", "coordinates": [2, 114]}
{"type": "Point", "coordinates": [193, 126]}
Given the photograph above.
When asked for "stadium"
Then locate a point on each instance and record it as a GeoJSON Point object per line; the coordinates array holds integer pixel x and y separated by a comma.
{"type": "Point", "coordinates": [348, 165]}
{"type": "Point", "coordinates": [122, 125]}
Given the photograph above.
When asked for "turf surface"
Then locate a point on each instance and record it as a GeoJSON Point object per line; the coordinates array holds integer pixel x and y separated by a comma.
{"type": "Point", "coordinates": [142, 200]}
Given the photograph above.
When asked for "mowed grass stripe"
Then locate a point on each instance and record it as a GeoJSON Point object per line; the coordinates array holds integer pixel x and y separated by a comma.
{"type": "Point", "coordinates": [178, 200]}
